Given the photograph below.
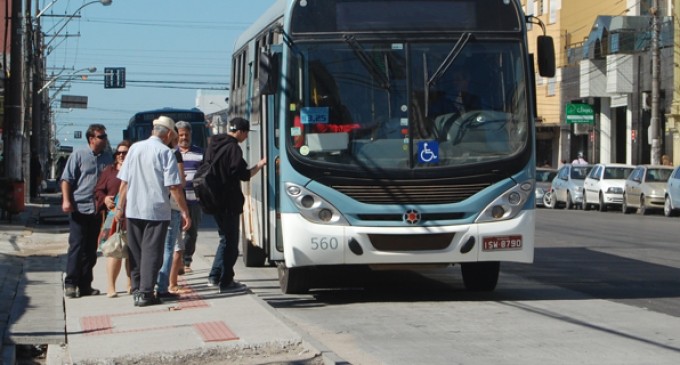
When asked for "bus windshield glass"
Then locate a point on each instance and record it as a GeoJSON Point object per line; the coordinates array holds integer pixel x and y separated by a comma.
{"type": "Point", "coordinates": [409, 105]}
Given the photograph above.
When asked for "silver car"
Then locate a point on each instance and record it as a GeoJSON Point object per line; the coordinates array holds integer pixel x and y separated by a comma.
{"type": "Point", "coordinates": [645, 188]}
{"type": "Point", "coordinates": [567, 187]}
{"type": "Point", "coordinates": [671, 205]}
{"type": "Point", "coordinates": [544, 177]}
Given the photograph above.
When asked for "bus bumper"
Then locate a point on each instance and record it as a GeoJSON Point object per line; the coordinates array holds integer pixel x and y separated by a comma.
{"type": "Point", "coordinates": [307, 244]}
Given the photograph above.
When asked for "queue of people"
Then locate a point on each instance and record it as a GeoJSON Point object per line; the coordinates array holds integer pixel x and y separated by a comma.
{"type": "Point", "coordinates": [147, 189]}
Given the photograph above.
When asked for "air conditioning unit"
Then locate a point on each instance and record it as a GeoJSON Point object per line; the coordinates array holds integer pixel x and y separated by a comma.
{"type": "Point", "coordinates": [581, 129]}
{"type": "Point", "coordinates": [646, 100]}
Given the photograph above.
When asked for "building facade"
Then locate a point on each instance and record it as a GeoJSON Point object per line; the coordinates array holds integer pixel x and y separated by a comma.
{"type": "Point", "coordinates": [604, 59]}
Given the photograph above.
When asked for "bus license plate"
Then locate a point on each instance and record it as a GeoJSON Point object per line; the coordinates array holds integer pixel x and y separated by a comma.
{"type": "Point", "coordinates": [496, 243]}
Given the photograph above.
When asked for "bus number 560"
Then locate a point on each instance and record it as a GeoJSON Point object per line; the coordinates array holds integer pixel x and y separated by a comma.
{"type": "Point", "coordinates": [324, 243]}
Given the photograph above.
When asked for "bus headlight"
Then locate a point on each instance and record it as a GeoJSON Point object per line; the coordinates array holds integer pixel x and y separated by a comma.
{"type": "Point", "coordinates": [314, 208]}
{"type": "Point", "coordinates": [508, 205]}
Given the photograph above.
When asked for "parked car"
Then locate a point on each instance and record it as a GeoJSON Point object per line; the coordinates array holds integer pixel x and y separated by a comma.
{"type": "Point", "coordinates": [671, 205]}
{"type": "Point", "coordinates": [645, 188]}
{"type": "Point", "coordinates": [544, 177]}
{"type": "Point", "coordinates": [603, 187]}
{"type": "Point", "coordinates": [567, 187]}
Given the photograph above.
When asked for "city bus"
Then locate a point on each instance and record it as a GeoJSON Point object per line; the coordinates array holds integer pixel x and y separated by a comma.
{"type": "Point", "coordinates": [399, 134]}
{"type": "Point", "coordinates": [140, 124]}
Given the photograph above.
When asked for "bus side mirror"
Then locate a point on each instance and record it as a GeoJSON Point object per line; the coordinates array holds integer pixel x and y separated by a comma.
{"type": "Point", "coordinates": [269, 73]}
{"type": "Point", "coordinates": [546, 56]}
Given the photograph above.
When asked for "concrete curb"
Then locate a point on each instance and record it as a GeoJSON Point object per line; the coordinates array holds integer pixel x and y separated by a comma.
{"type": "Point", "coordinates": [329, 357]}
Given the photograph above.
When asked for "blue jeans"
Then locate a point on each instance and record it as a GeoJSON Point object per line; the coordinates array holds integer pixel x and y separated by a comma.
{"type": "Point", "coordinates": [169, 250]}
{"type": "Point", "coordinates": [222, 270]}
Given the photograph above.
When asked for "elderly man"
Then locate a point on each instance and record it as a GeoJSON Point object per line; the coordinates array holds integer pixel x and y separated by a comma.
{"type": "Point", "coordinates": [77, 186]}
{"type": "Point", "coordinates": [148, 177]}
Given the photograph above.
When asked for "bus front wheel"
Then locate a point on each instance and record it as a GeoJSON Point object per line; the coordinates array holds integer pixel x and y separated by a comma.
{"type": "Point", "coordinates": [480, 276]}
{"type": "Point", "coordinates": [293, 280]}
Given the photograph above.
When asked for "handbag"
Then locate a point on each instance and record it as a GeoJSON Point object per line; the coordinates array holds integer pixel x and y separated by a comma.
{"type": "Point", "coordinates": [105, 230]}
{"type": "Point", "coordinates": [116, 245]}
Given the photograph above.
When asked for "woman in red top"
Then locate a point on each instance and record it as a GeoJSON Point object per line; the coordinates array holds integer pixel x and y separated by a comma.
{"type": "Point", "coordinates": [105, 193]}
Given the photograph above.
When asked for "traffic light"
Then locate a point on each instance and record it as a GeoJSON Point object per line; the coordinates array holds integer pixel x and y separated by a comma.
{"type": "Point", "coordinates": [114, 77]}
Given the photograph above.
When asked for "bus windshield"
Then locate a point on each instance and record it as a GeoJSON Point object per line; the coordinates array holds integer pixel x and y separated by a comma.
{"type": "Point", "coordinates": [409, 105]}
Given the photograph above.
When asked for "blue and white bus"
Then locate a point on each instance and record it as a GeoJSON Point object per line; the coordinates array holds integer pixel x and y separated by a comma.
{"type": "Point", "coordinates": [140, 124]}
{"type": "Point", "coordinates": [397, 133]}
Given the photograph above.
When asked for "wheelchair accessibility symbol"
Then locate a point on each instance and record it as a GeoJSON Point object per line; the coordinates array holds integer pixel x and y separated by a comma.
{"type": "Point", "coordinates": [428, 152]}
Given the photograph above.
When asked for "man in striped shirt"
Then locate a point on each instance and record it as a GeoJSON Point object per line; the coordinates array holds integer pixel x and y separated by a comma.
{"type": "Point", "coordinates": [192, 155]}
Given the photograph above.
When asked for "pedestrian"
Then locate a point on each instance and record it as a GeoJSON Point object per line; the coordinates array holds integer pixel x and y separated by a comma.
{"type": "Point", "coordinates": [149, 176]}
{"type": "Point", "coordinates": [232, 169]}
{"type": "Point", "coordinates": [666, 161]}
{"type": "Point", "coordinates": [106, 194]}
{"type": "Point", "coordinates": [579, 160]}
{"type": "Point", "coordinates": [173, 248]}
{"type": "Point", "coordinates": [192, 156]}
{"type": "Point", "coordinates": [78, 181]}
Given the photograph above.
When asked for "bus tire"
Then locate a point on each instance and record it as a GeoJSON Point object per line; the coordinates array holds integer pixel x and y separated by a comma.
{"type": "Point", "coordinates": [253, 256]}
{"type": "Point", "coordinates": [293, 280]}
{"type": "Point", "coordinates": [480, 276]}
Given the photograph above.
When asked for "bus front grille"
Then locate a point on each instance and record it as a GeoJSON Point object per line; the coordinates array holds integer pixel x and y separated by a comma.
{"type": "Point", "coordinates": [411, 242]}
{"type": "Point", "coordinates": [420, 194]}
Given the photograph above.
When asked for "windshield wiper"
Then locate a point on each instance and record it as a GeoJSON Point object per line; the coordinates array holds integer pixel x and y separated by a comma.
{"type": "Point", "coordinates": [368, 62]}
{"type": "Point", "coordinates": [455, 51]}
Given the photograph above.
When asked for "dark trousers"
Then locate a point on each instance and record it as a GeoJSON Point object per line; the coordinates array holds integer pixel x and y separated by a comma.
{"type": "Point", "coordinates": [82, 249]}
{"type": "Point", "coordinates": [222, 270]}
{"type": "Point", "coordinates": [190, 235]}
{"type": "Point", "coordinates": [145, 243]}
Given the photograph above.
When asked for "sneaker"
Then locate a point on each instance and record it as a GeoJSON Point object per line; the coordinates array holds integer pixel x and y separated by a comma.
{"type": "Point", "coordinates": [233, 287]}
{"type": "Point", "coordinates": [70, 292]}
{"type": "Point", "coordinates": [212, 282]}
{"type": "Point", "coordinates": [89, 291]}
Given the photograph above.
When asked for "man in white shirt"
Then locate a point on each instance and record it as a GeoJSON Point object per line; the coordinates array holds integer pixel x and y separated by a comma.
{"type": "Point", "coordinates": [579, 160]}
{"type": "Point", "coordinates": [149, 176]}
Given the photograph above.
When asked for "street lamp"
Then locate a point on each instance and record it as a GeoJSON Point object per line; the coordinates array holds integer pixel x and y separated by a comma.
{"type": "Point", "coordinates": [68, 19]}
{"type": "Point", "coordinates": [69, 77]}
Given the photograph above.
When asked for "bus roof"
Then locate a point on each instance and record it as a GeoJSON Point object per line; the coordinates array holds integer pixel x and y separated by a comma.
{"type": "Point", "coordinates": [170, 110]}
{"type": "Point", "coordinates": [268, 17]}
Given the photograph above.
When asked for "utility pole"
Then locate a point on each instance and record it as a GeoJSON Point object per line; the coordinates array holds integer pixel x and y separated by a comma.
{"type": "Point", "coordinates": [14, 110]}
{"type": "Point", "coordinates": [654, 120]}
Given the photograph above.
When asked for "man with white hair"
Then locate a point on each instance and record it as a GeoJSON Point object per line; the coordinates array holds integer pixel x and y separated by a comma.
{"type": "Point", "coordinates": [148, 177]}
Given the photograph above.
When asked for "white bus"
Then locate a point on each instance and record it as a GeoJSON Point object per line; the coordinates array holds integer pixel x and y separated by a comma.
{"type": "Point", "coordinates": [397, 133]}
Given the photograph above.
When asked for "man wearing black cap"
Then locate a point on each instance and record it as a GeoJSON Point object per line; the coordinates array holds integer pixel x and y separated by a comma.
{"type": "Point", "coordinates": [232, 169]}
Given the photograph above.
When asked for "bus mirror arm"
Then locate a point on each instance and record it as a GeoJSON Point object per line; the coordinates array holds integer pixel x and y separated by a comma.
{"type": "Point", "coordinates": [545, 49]}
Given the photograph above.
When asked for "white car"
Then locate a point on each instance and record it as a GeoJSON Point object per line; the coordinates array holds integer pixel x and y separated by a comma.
{"type": "Point", "coordinates": [645, 188]}
{"type": "Point", "coordinates": [604, 185]}
{"type": "Point", "coordinates": [672, 202]}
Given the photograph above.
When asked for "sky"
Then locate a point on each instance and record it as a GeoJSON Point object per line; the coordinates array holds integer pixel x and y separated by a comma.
{"type": "Point", "coordinates": [169, 48]}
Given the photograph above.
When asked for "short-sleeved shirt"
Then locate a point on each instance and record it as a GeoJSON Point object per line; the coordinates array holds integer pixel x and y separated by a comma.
{"type": "Point", "coordinates": [81, 172]}
{"type": "Point", "coordinates": [149, 169]}
{"type": "Point", "coordinates": [192, 159]}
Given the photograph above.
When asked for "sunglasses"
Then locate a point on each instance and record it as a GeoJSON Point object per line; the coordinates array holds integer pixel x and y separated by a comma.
{"type": "Point", "coordinates": [121, 152]}
{"type": "Point", "coordinates": [101, 136]}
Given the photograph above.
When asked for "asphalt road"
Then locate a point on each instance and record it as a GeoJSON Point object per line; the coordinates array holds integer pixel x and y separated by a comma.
{"type": "Point", "coordinates": [604, 289]}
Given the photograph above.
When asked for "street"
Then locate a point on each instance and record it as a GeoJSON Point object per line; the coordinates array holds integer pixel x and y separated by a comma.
{"type": "Point", "coordinates": [604, 288]}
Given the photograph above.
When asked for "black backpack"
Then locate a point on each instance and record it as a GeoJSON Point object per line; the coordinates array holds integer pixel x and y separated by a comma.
{"type": "Point", "coordinates": [208, 186]}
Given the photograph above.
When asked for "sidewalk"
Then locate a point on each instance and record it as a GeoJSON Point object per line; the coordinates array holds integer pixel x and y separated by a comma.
{"type": "Point", "coordinates": [201, 327]}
